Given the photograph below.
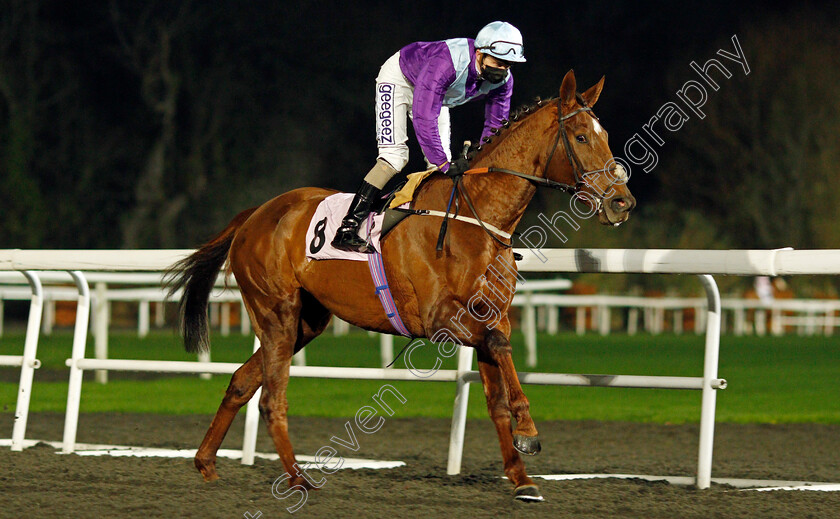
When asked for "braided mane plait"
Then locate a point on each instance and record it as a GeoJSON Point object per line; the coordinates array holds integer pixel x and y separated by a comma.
{"type": "Point", "coordinates": [516, 115]}
{"type": "Point", "coordinates": [525, 110]}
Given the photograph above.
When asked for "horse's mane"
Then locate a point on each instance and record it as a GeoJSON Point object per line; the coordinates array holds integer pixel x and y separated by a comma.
{"type": "Point", "coordinates": [516, 115]}
{"type": "Point", "coordinates": [528, 109]}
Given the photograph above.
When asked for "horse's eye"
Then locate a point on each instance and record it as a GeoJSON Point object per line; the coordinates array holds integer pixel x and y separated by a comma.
{"type": "Point", "coordinates": [581, 139]}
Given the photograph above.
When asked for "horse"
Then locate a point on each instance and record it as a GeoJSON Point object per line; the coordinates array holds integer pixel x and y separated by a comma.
{"type": "Point", "coordinates": [290, 299]}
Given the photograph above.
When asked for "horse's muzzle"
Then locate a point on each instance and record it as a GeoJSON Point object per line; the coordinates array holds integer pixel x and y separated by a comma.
{"type": "Point", "coordinates": [617, 210]}
{"type": "Point", "coordinates": [622, 204]}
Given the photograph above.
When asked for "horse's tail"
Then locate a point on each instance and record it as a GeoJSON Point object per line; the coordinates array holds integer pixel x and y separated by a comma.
{"type": "Point", "coordinates": [196, 274]}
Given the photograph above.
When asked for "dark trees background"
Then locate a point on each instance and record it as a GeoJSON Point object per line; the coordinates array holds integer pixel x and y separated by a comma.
{"type": "Point", "coordinates": [150, 124]}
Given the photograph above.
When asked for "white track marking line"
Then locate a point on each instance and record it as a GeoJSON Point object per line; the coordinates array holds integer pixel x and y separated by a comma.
{"type": "Point", "coordinates": [87, 449]}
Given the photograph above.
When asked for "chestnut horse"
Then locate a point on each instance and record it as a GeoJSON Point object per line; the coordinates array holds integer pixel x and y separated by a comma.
{"type": "Point", "coordinates": [290, 299]}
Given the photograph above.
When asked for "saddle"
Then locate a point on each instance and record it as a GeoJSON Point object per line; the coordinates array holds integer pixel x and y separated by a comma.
{"type": "Point", "coordinates": [385, 215]}
{"type": "Point", "coordinates": [400, 196]}
{"type": "Point", "coordinates": [395, 209]}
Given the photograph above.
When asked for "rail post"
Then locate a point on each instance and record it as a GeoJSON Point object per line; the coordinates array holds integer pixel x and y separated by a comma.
{"type": "Point", "coordinates": [74, 388]}
{"type": "Point", "coordinates": [29, 362]}
{"type": "Point", "coordinates": [710, 369]}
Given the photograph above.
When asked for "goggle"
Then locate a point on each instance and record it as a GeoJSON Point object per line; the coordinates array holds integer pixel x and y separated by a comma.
{"type": "Point", "coordinates": [503, 48]}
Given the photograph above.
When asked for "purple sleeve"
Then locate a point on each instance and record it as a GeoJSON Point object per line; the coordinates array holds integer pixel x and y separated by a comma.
{"type": "Point", "coordinates": [431, 73]}
{"type": "Point", "coordinates": [497, 107]}
{"type": "Point", "coordinates": [428, 100]}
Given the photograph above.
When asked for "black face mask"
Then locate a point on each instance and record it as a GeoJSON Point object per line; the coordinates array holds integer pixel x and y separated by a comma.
{"type": "Point", "coordinates": [494, 74]}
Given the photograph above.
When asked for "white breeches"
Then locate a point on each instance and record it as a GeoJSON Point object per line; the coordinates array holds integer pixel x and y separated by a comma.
{"type": "Point", "coordinates": [394, 97]}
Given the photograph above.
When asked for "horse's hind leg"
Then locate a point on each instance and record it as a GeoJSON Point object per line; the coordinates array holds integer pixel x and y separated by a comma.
{"type": "Point", "coordinates": [244, 383]}
{"type": "Point", "coordinates": [499, 408]}
{"type": "Point", "coordinates": [295, 320]}
{"type": "Point", "coordinates": [274, 408]}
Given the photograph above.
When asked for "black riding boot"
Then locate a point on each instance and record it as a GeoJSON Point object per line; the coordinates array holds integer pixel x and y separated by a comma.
{"type": "Point", "coordinates": [347, 237]}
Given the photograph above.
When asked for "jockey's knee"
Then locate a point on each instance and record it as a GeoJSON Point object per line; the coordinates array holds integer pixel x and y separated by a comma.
{"type": "Point", "coordinates": [380, 173]}
{"type": "Point", "coordinates": [394, 156]}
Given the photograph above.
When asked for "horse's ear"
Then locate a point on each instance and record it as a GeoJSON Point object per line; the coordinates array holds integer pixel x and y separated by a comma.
{"type": "Point", "coordinates": [568, 88]}
{"type": "Point", "coordinates": [591, 96]}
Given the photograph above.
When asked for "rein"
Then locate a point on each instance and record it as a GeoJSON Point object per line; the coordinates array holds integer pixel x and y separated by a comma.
{"type": "Point", "coordinates": [577, 168]}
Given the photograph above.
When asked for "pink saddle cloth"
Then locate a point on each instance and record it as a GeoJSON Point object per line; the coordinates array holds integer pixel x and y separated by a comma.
{"type": "Point", "coordinates": [326, 221]}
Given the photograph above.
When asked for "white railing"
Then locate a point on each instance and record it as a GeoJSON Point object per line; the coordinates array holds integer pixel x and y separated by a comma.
{"type": "Point", "coordinates": [809, 316]}
{"type": "Point", "coordinates": [540, 310]}
{"type": "Point", "coordinates": [226, 293]}
{"type": "Point", "coordinates": [29, 362]}
{"type": "Point", "coordinates": [746, 262]}
{"type": "Point", "coordinates": [102, 297]}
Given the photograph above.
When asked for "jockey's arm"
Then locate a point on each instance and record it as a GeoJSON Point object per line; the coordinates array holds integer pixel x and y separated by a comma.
{"type": "Point", "coordinates": [429, 91]}
{"type": "Point", "coordinates": [497, 107]}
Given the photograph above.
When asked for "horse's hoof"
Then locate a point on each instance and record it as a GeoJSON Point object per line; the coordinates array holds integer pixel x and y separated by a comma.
{"type": "Point", "coordinates": [207, 469]}
{"type": "Point", "coordinates": [527, 494]}
{"type": "Point", "coordinates": [528, 445]}
{"type": "Point", "coordinates": [300, 481]}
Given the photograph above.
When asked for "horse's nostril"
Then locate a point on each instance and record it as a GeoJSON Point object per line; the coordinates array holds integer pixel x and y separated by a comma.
{"type": "Point", "coordinates": [620, 205]}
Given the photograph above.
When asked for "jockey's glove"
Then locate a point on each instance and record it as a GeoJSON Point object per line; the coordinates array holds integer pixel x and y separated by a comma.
{"type": "Point", "coordinates": [458, 166]}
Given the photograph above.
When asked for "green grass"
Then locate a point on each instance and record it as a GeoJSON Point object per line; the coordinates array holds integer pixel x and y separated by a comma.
{"type": "Point", "coordinates": [771, 379]}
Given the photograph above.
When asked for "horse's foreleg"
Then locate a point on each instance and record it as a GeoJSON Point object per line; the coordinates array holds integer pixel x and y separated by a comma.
{"type": "Point", "coordinates": [496, 346]}
{"type": "Point", "coordinates": [244, 383]}
{"type": "Point", "coordinates": [525, 437]}
{"type": "Point", "coordinates": [499, 409]}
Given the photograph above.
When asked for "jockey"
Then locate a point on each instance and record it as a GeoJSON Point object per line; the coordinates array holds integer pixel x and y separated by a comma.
{"type": "Point", "coordinates": [422, 81]}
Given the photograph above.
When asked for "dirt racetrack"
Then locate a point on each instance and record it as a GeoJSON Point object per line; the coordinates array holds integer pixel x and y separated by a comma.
{"type": "Point", "coordinates": [40, 483]}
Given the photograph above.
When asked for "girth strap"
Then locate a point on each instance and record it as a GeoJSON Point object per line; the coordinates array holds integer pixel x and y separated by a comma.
{"type": "Point", "coordinates": [383, 290]}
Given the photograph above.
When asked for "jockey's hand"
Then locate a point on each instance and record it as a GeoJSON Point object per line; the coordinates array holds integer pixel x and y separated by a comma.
{"type": "Point", "coordinates": [458, 166]}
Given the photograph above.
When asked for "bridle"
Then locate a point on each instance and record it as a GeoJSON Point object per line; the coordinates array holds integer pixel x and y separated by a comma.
{"type": "Point", "coordinates": [577, 167]}
{"type": "Point", "coordinates": [578, 170]}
